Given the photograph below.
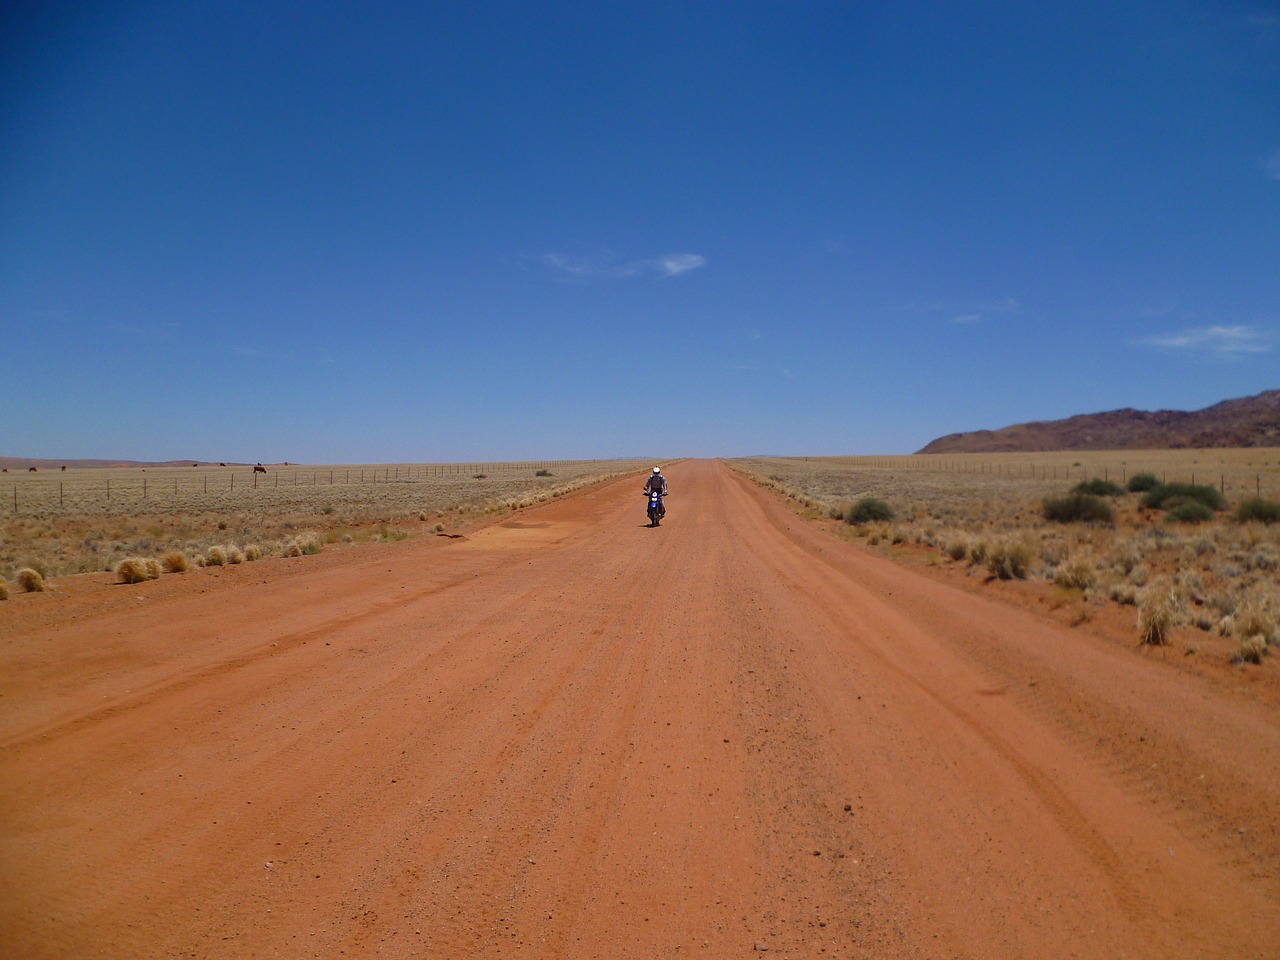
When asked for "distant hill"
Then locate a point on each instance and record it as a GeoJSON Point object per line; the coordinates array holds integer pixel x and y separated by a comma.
{"type": "Point", "coordinates": [1246, 422]}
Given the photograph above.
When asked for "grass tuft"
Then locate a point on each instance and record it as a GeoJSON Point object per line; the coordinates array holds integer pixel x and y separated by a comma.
{"type": "Point", "coordinates": [1158, 614]}
{"type": "Point", "coordinates": [132, 570]}
{"type": "Point", "coordinates": [31, 580]}
{"type": "Point", "coordinates": [216, 557]}
{"type": "Point", "coordinates": [4, 589]}
{"type": "Point", "coordinates": [175, 561]}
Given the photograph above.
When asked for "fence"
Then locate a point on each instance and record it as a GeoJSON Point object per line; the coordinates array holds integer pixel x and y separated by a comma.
{"type": "Point", "coordinates": [107, 489]}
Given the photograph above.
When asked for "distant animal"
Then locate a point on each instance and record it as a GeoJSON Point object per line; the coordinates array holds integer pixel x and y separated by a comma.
{"type": "Point", "coordinates": [31, 469]}
{"type": "Point", "coordinates": [259, 469]}
{"type": "Point", "coordinates": [195, 464]}
{"type": "Point", "coordinates": [5, 470]}
{"type": "Point", "coordinates": [64, 468]}
{"type": "Point", "coordinates": [222, 464]}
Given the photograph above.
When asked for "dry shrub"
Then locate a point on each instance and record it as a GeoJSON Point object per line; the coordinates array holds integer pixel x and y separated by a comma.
{"type": "Point", "coordinates": [253, 552]}
{"type": "Point", "coordinates": [1076, 573]}
{"type": "Point", "coordinates": [306, 543]}
{"type": "Point", "coordinates": [153, 568]}
{"type": "Point", "coordinates": [31, 580]}
{"type": "Point", "coordinates": [1158, 614]}
{"type": "Point", "coordinates": [1251, 649]}
{"type": "Point", "coordinates": [977, 552]}
{"type": "Point", "coordinates": [1253, 619]}
{"type": "Point", "coordinates": [132, 570]}
{"type": "Point", "coordinates": [1008, 559]}
{"type": "Point", "coordinates": [957, 549]}
{"type": "Point", "coordinates": [234, 554]}
{"type": "Point", "coordinates": [4, 589]}
{"type": "Point", "coordinates": [216, 557]}
{"type": "Point", "coordinates": [175, 561]}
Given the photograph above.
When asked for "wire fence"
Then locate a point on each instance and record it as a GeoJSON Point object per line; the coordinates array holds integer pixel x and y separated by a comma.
{"type": "Point", "coordinates": [122, 489]}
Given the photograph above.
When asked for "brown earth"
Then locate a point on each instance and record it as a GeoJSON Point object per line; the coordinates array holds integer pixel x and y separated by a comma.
{"type": "Point", "coordinates": [1242, 422]}
{"type": "Point", "coordinates": [569, 735]}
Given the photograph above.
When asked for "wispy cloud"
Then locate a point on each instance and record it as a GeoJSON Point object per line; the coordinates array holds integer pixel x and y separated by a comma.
{"type": "Point", "coordinates": [976, 312]}
{"type": "Point", "coordinates": [1225, 341]}
{"type": "Point", "coordinates": [674, 264]}
{"type": "Point", "coordinates": [1270, 165]}
{"type": "Point", "coordinates": [607, 268]}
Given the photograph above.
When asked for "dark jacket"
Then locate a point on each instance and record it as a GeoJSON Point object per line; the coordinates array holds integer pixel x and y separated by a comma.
{"type": "Point", "coordinates": [657, 482]}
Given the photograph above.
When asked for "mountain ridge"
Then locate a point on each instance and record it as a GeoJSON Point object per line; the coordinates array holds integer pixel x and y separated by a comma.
{"type": "Point", "coordinates": [1241, 422]}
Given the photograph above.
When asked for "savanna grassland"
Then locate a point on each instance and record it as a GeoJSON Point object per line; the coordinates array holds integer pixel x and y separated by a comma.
{"type": "Point", "coordinates": [1212, 565]}
{"type": "Point", "coordinates": [57, 523]}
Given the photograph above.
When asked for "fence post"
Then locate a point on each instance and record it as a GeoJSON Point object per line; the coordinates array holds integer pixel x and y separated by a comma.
{"type": "Point", "coordinates": [15, 498]}
{"type": "Point", "coordinates": [59, 493]}
{"type": "Point", "coordinates": [233, 481]}
{"type": "Point", "coordinates": [108, 491]}
{"type": "Point", "coordinates": [144, 488]}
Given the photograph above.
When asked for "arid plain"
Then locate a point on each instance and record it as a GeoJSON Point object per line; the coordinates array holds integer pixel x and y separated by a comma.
{"type": "Point", "coordinates": [554, 732]}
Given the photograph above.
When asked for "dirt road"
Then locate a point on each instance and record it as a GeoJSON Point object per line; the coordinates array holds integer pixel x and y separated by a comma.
{"type": "Point", "coordinates": [569, 735]}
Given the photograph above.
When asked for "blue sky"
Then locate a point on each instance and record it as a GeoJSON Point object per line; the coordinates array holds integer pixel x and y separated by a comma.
{"type": "Point", "coordinates": [422, 231]}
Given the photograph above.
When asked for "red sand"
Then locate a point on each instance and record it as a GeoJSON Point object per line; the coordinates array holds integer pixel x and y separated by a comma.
{"type": "Point", "coordinates": [569, 735]}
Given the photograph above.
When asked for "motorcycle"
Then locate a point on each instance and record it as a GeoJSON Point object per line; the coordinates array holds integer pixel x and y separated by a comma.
{"type": "Point", "coordinates": [656, 510]}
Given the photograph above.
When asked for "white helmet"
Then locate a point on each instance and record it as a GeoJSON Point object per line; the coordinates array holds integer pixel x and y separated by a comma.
{"type": "Point", "coordinates": [657, 469]}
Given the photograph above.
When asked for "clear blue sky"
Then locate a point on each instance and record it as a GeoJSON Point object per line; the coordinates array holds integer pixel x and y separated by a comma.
{"type": "Point", "coordinates": [418, 231]}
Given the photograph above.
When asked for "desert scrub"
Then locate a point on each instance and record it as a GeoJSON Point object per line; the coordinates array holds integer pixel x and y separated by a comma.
{"type": "Point", "coordinates": [1076, 573]}
{"type": "Point", "coordinates": [1077, 508]}
{"type": "Point", "coordinates": [1160, 497]}
{"type": "Point", "coordinates": [868, 510]}
{"type": "Point", "coordinates": [1257, 510]}
{"type": "Point", "coordinates": [216, 557]}
{"type": "Point", "coordinates": [1009, 558]}
{"type": "Point", "coordinates": [253, 552]}
{"type": "Point", "coordinates": [1250, 650]}
{"type": "Point", "coordinates": [1158, 613]}
{"type": "Point", "coordinates": [132, 570]}
{"type": "Point", "coordinates": [4, 589]}
{"type": "Point", "coordinates": [306, 543]}
{"type": "Point", "coordinates": [1098, 488]}
{"type": "Point", "coordinates": [1142, 482]}
{"type": "Point", "coordinates": [30, 580]}
{"type": "Point", "coordinates": [1186, 510]}
{"type": "Point", "coordinates": [175, 561]}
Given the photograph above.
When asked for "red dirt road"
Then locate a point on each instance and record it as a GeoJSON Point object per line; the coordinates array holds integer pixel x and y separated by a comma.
{"type": "Point", "coordinates": [568, 735]}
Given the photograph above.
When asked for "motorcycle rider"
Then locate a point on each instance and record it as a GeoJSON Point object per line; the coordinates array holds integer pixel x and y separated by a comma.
{"type": "Point", "coordinates": [657, 483]}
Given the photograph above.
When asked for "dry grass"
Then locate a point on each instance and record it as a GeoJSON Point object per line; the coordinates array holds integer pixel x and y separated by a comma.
{"type": "Point", "coordinates": [136, 570]}
{"type": "Point", "coordinates": [30, 580]}
{"type": "Point", "coordinates": [65, 523]}
{"type": "Point", "coordinates": [4, 589]}
{"type": "Point", "coordinates": [175, 561]}
{"type": "Point", "coordinates": [986, 513]}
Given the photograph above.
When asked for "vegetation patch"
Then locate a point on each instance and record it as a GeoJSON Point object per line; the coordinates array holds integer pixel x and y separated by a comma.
{"type": "Point", "coordinates": [1098, 488]}
{"type": "Point", "coordinates": [1186, 510]}
{"type": "Point", "coordinates": [1142, 482]}
{"type": "Point", "coordinates": [1077, 508]}
{"type": "Point", "coordinates": [132, 570]}
{"type": "Point", "coordinates": [1257, 510]}
{"type": "Point", "coordinates": [1158, 497]}
{"type": "Point", "coordinates": [868, 510]}
{"type": "Point", "coordinates": [31, 580]}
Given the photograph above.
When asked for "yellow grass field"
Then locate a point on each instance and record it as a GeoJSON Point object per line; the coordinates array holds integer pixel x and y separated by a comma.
{"type": "Point", "coordinates": [84, 520]}
{"type": "Point", "coordinates": [985, 512]}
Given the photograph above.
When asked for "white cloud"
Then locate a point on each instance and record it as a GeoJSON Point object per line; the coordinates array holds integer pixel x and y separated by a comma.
{"type": "Point", "coordinates": [967, 318]}
{"type": "Point", "coordinates": [1271, 165]}
{"type": "Point", "coordinates": [605, 267]}
{"type": "Point", "coordinates": [1221, 340]}
{"type": "Point", "coordinates": [674, 264]}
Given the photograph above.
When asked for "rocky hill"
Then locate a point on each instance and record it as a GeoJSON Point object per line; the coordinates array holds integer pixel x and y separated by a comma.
{"type": "Point", "coordinates": [1246, 422]}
